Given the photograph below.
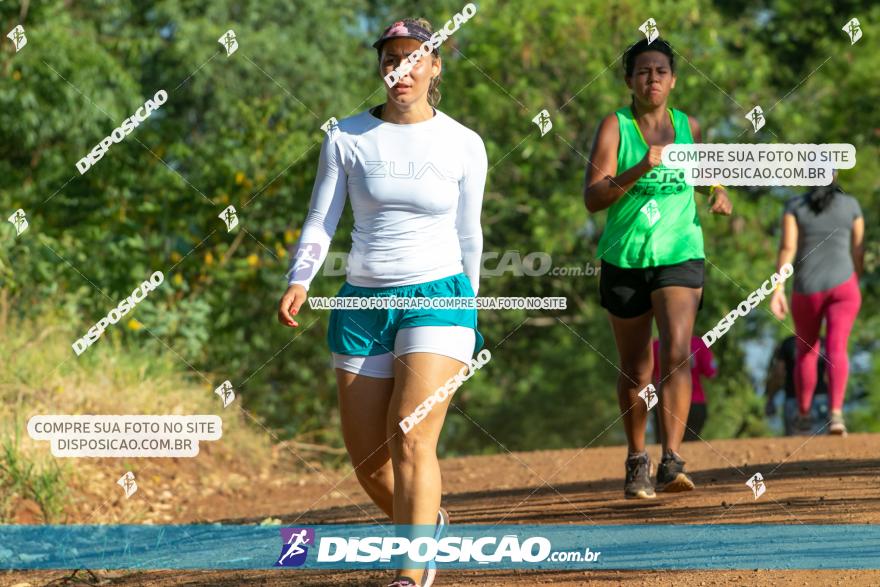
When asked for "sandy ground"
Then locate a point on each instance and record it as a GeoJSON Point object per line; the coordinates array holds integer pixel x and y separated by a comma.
{"type": "Point", "coordinates": [823, 480]}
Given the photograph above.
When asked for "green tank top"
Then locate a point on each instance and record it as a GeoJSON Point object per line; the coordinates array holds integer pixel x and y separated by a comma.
{"type": "Point", "coordinates": [655, 222]}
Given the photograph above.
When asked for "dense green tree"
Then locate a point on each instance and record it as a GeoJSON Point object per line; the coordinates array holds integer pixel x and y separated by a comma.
{"type": "Point", "coordinates": [245, 130]}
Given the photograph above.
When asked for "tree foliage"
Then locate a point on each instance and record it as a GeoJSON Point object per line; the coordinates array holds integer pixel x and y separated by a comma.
{"type": "Point", "coordinates": [245, 130]}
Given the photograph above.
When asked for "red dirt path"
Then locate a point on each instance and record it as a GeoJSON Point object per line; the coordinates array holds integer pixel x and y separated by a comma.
{"type": "Point", "coordinates": [824, 480]}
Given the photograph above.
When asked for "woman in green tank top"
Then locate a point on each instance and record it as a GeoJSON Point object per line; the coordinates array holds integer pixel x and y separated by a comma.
{"type": "Point", "coordinates": [652, 257]}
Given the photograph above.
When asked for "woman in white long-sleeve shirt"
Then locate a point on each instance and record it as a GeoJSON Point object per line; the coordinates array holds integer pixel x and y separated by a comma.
{"type": "Point", "coordinates": [415, 180]}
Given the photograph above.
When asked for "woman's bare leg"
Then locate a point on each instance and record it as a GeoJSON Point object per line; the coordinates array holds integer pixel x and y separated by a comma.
{"type": "Point", "coordinates": [633, 338]}
{"type": "Point", "coordinates": [363, 409]}
{"type": "Point", "coordinates": [675, 309]}
{"type": "Point", "coordinates": [414, 454]}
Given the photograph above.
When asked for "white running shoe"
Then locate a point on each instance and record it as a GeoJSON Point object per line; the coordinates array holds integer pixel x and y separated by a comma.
{"type": "Point", "coordinates": [836, 425]}
{"type": "Point", "coordinates": [440, 530]}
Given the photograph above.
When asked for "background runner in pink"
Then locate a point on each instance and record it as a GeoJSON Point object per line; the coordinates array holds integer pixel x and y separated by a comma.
{"type": "Point", "coordinates": [839, 306]}
{"type": "Point", "coordinates": [823, 234]}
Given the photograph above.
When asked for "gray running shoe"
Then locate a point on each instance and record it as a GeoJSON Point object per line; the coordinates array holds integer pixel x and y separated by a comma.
{"type": "Point", "coordinates": [803, 425]}
{"type": "Point", "coordinates": [638, 483]}
{"type": "Point", "coordinates": [671, 477]}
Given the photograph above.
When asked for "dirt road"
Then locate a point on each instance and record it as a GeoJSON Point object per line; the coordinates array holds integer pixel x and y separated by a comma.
{"type": "Point", "coordinates": [823, 481]}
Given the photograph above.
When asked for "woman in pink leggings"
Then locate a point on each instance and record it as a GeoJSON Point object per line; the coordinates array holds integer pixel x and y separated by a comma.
{"type": "Point", "coordinates": [822, 235]}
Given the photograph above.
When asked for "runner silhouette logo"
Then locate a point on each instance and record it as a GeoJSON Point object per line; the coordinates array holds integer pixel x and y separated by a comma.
{"type": "Point", "coordinates": [756, 484]}
{"type": "Point", "coordinates": [19, 39]}
{"type": "Point", "coordinates": [295, 548]}
{"type": "Point", "coordinates": [19, 221]}
{"type": "Point", "coordinates": [543, 121]}
{"type": "Point", "coordinates": [652, 211]}
{"type": "Point", "coordinates": [756, 117]}
{"type": "Point", "coordinates": [649, 28]}
{"type": "Point", "coordinates": [854, 29]}
{"type": "Point", "coordinates": [331, 126]}
{"type": "Point", "coordinates": [229, 42]}
{"type": "Point", "coordinates": [649, 395]}
{"type": "Point", "coordinates": [229, 217]}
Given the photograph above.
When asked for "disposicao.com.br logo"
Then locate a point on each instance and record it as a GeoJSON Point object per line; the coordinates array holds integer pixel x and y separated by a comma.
{"type": "Point", "coordinates": [452, 549]}
{"type": "Point", "coordinates": [410, 544]}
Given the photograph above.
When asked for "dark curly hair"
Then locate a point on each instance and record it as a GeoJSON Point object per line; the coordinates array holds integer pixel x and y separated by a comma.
{"type": "Point", "coordinates": [636, 49]}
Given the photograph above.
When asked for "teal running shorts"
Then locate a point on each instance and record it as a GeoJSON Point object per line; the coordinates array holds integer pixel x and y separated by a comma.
{"type": "Point", "coordinates": [367, 332]}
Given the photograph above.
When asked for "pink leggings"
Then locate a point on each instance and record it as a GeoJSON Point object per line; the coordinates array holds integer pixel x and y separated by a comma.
{"type": "Point", "coordinates": [839, 306]}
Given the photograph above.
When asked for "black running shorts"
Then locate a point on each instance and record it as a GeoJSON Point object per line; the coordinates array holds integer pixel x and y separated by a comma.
{"type": "Point", "coordinates": [626, 293]}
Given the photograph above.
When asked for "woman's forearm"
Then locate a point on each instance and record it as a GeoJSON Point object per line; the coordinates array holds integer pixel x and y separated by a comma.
{"type": "Point", "coordinates": [608, 190]}
{"type": "Point", "coordinates": [785, 255]}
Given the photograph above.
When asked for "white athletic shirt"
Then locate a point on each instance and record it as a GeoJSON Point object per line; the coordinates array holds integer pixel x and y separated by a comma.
{"type": "Point", "coordinates": [416, 191]}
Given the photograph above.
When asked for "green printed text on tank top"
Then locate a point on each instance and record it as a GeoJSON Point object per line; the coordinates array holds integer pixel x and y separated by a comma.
{"type": "Point", "coordinates": [655, 222]}
{"type": "Point", "coordinates": [660, 180]}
